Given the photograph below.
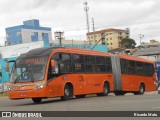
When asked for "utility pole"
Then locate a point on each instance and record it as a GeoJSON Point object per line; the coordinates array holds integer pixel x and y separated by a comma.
{"type": "Point", "coordinates": [86, 9]}
{"type": "Point", "coordinates": [58, 35]}
{"type": "Point", "coordinates": [93, 25]}
{"type": "Point", "coordinates": [93, 29]}
{"type": "Point", "coordinates": [141, 36]}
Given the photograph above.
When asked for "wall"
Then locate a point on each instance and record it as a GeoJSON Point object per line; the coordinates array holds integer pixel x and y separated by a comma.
{"type": "Point", "coordinates": [14, 35]}
{"type": "Point", "coordinates": [27, 33]}
{"type": "Point", "coordinates": [16, 50]}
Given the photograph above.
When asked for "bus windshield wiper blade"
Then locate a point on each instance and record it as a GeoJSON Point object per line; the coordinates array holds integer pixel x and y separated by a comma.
{"type": "Point", "coordinates": [17, 79]}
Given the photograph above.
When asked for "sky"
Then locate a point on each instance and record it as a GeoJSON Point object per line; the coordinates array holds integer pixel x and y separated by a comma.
{"type": "Point", "coordinates": [141, 16]}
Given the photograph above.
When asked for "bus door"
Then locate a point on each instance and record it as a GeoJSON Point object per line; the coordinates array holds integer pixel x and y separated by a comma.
{"type": "Point", "coordinates": [79, 76]}
{"type": "Point", "coordinates": [82, 84]}
{"type": "Point", "coordinates": [60, 72]}
{"type": "Point", "coordinates": [116, 73]}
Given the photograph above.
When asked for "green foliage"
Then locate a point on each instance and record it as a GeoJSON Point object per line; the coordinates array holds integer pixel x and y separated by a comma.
{"type": "Point", "coordinates": [128, 43]}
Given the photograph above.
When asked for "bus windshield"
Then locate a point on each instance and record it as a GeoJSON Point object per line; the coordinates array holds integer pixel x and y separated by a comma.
{"type": "Point", "coordinates": [29, 69]}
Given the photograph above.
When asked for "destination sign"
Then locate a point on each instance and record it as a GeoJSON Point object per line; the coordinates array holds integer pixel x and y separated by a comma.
{"type": "Point", "coordinates": [32, 60]}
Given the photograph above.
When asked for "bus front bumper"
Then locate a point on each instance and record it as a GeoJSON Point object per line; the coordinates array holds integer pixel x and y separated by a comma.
{"type": "Point", "coordinates": [27, 94]}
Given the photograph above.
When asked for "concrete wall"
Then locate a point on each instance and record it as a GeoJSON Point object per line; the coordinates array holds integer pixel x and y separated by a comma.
{"type": "Point", "coordinates": [28, 35]}
{"type": "Point", "coordinates": [30, 31]}
{"type": "Point", "coordinates": [16, 50]}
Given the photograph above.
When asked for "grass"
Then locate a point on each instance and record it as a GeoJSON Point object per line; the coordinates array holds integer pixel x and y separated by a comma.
{"type": "Point", "coordinates": [3, 94]}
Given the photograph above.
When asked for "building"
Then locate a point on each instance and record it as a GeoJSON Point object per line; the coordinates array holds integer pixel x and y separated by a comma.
{"type": "Point", "coordinates": [152, 43]}
{"type": "Point", "coordinates": [70, 42]}
{"type": "Point", "coordinates": [150, 53]}
{"type": "Point", "coordinates": [110, 37]}
{"type": "Point", "coordinates": [30, 31]}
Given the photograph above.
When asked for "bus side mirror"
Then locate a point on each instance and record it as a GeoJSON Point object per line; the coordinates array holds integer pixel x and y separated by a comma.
{"type": "Point", "coordinates": [54, 67]}
{"type": "Point", "coordinates": [7, 67]}
{"type": "Point", "coordinates": [52, 63]}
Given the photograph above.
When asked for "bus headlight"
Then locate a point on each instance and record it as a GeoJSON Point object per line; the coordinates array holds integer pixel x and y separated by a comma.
{"type": "Point", "coordinates": [10, 88]}
{"type": "Point", "coordinates": [40, 85]}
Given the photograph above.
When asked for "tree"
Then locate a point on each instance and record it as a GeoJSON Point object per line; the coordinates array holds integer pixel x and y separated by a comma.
{"type": "Point", "coordinates": [128, 43]}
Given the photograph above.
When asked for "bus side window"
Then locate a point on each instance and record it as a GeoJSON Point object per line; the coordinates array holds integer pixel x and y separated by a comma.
{"type": "Point", "coordinates": [140, 69]}
{"type": "Point", "coordinates": [54, 70]}
{"type": "Point", "coordinates": [65, 63]}
{"type": "Point", "coordinates": [78, 63]}
{"type": "Point", "coordinates": [100, 64]}
{"type": "Point", "coordinates": [123, 66]}
{"type": "Point", "coordinates": [90, 64]}
{"type": "Point", "coordinates": [108, 65]}
{"type": "Point", "coordinates": [149, 69]}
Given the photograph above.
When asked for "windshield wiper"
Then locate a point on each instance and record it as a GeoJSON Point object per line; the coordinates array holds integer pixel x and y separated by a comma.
{"type": "Point", "coordinates": [17, 79]}
{"type": "Point", "coordinates": [31, 75]}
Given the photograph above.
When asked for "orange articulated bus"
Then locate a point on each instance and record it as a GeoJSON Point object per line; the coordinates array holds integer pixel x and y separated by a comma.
{"type": "Point", "coordinates": [133, 74]}
{"type": "Point", "coordinates": [67, 72]}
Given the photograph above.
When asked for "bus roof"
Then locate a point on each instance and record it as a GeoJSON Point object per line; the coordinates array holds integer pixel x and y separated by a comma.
{"type": "Point", "coordinates": [48, 50]}
{"type": "Point", "coordinates": [134, 58]}
{"type": "Point", "coordinates": [38, 52]}
{"type": "Point", "coordinates": [82, 51]}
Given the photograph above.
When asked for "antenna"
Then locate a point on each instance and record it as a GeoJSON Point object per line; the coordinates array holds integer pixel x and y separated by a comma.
{"type": "Point", "coordinates": [86, 9]}
{"type": "Point", "coordinates": [93, 25]}
{"type": "Point", "coordinates": [93, 29]}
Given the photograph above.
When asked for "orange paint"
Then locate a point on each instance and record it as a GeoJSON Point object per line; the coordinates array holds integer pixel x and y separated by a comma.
{"type": "Point", "coordinates": [83, 83]}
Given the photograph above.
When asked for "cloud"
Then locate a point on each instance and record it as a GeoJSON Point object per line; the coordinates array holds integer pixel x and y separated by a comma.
{"type": "Point", "coordinates": [142, 16]}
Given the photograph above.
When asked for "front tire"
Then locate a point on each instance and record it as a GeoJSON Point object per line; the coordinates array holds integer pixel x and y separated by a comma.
{"type": "Point", "coordinates": [37, 100]}
{"type": "Point", "coordinates": [105, 90]}
{"type": "Point", "coordinates": [67, 93]}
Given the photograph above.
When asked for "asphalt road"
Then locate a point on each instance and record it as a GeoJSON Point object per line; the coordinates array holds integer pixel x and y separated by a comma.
{"type": "Point", "coordinates": [146, 102]}
{"type": "Point", "coordinates": [129, 102]}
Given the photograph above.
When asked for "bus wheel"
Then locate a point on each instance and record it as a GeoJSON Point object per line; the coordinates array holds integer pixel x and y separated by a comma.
{"type": "Point", "coordinates": [37, 100]}
{"type": "Point", "coordinates": [80, 96]}
{"type": "Point", "coordinates": [105, 90]}
{"type": "Point", "coordinates": [141, 90]}
{"type": "Point", "coordinates": [67, 93]}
